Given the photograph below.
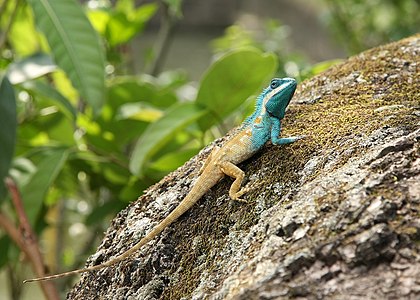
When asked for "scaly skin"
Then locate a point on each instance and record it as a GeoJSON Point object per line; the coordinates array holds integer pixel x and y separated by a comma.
{"type": "Point", "coordinates": [262, 125]}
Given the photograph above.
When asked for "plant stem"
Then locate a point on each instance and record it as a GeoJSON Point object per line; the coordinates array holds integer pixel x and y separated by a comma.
{"type": "Point", "coordinates": [25, 238]}
{"type": "Point", "coordinates": [163, 42]}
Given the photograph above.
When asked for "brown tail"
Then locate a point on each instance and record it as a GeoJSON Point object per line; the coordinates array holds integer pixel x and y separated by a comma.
{"type": "Point", "coordinates": [193, 196]}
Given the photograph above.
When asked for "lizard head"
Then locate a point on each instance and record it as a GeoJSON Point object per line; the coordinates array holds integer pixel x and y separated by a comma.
{"type": "Point", "coordinates": [278, 95]}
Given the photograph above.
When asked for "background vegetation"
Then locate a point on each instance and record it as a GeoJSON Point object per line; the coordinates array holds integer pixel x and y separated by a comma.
{"type": "Point", "coordinates": [82, 134]}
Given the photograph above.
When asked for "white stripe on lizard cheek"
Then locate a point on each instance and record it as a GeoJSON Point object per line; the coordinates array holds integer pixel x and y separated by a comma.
{"type": "Point", "coordinates": [271, 94]}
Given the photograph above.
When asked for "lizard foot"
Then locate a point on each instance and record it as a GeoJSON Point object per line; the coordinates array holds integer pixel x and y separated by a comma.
{"type": "Point", "coordinates": [287, 140]}
{"type": "Point", "coordinates": [238, 194]}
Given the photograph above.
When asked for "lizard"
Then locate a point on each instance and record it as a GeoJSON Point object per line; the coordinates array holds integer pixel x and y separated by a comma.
{"type": "Point", "coordinates": [263, 125]}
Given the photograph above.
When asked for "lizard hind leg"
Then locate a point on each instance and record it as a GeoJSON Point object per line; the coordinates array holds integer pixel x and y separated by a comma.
{"type": "Point", "coordinates": [235, 191]}
{"type": "Point", "coordinates": [208, 160]}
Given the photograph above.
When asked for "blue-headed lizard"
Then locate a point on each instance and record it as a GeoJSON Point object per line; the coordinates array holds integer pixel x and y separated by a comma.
{"type": "Point", "coordinates": [263, 125]}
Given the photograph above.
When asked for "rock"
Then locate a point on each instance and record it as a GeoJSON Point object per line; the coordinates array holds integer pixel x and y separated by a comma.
{"type": "Point", "coordinates": [332, 216]}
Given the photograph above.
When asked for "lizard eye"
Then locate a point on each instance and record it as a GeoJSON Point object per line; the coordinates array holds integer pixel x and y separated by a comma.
{"type": "Point", "coordinates": [274, 84]}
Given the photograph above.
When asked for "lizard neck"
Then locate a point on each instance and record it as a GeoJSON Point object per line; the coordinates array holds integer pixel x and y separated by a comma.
{"type": "Point", "coordinates": [258, 123]}
{"type": "Point", "coordinates": [260, 131]}
{"type": "Point", "coordinates": [259, 109]}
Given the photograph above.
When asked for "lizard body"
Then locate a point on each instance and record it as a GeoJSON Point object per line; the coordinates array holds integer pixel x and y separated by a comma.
{"type": "Point", "coordinates": [261, 126]}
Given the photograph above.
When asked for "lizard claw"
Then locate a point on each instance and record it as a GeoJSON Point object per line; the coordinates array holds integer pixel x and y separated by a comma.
{"type": "Point", "coordinates": [240, 200]}
{"type": "Point", "coordinates": [299, 137]}
{"type": "Point", "coordinates": [238, 194]}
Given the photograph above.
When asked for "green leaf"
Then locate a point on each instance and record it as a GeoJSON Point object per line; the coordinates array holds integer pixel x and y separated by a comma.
{"type": "Point", "coordinates": [23, 37]}
{"type": "Point", "coordinates": [99, 19]}
{"type": "Point", "coordinates": [75, 46]}
{"type": "Point", "coordinates": [132, 89]}
{"type": "Point", "coordinates": [34, 193]}
{"type": "Point", "coordinates": [56, 128]}
{"type": "Point", "coordinates": [4, 249]}
{"type": "Point", "coordinates": [172, 160]}
{"type": "Point", "coordinates": [7, 129]}
{"type": "Point", "coordinates": [138, 111]}
{"type": "Point", "coordinates": [231, 80]}
{"type": "Point", "coordinates": [126, 22]}
{"type": "Point", "coordinates": [160, 132]}
{"type": "Point", "coordinates": [42, 89]}
{"type": "Point", "coordinates": [22, 170]}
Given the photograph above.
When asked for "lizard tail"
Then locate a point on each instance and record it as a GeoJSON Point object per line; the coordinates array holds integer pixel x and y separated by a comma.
{"type": "Point", "coordinates": [185, 204]}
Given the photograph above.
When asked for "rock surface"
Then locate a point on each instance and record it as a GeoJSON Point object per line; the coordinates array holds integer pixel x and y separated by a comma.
{"type": "Point", "coordinates": [333, 216]}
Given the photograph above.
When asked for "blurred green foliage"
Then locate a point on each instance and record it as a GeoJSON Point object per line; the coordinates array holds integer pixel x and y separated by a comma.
{"type": "Point", "coordinates": [272, 37]}
{"type": "Point", "coordinates": [82, 135]}
{"type": "Point", "coordinates": [362, 24]}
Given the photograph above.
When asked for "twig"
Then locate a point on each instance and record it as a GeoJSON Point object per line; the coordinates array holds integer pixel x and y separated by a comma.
{"type": "Point", "coordinates": [59, 234]}
{"type": "Point", "coordinates": [25, 239]}
{"type": "Point", "coordinates": [164, 39]}
{"type": "Point", "coordinates": [14, 282]}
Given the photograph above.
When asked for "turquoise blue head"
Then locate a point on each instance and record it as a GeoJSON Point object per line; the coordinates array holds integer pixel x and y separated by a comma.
{"type": "Point", "coordinates": [278, 95]}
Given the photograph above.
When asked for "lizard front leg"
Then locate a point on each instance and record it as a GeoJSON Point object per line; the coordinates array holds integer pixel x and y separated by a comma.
{"type": "Point", "coordinates": [235, 191]}
{"type": "Point", "coordinates": [275, 132]}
